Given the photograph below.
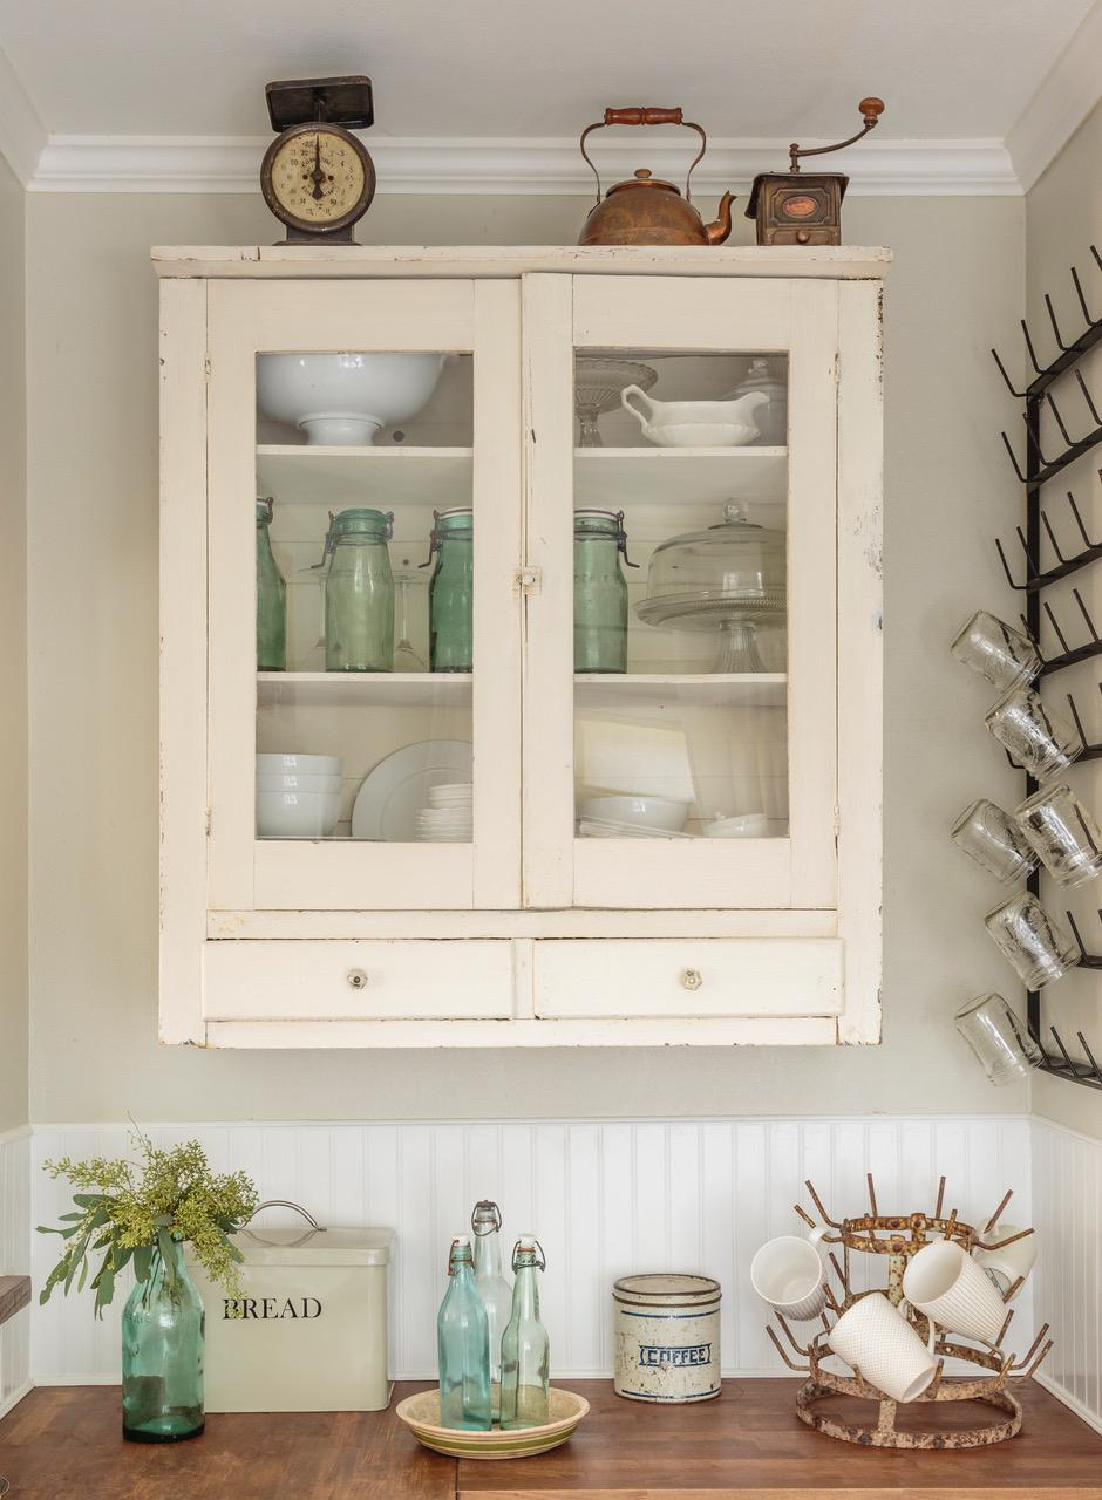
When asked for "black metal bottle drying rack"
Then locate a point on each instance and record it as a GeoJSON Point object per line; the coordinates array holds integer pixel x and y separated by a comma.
{"type": "Point", "coordinates": [1039, 470]}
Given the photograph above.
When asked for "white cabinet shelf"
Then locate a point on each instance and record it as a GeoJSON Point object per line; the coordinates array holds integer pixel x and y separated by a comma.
{"type": "Point", "coordinates": [364, 689]}
{"type": "Point", "coordinates": [612, 478]}
{"type": "Point", "coordinates": [711, 690]}
{"type": "Point", "coordinates": [317, 474]}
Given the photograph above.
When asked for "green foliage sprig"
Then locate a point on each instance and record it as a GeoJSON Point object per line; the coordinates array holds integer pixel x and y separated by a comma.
{"type": "Point", "coordinates": [138, 1210]}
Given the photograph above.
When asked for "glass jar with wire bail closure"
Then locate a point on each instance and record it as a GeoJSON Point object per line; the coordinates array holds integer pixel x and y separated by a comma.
{"type": "Point", "coordinates": [451, 590]}
{"type": "Point", "coordinates": [600, 592]}
{"type": "Point", "coordinates": [359, 592]}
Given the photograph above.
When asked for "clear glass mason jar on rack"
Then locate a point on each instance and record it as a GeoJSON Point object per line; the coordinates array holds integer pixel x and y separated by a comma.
{"type": "Point", "coordinates": [451, 590]}
{"type": "Point", "coordinates": [359, 593]}
{"type": "Point", "coordinates": [600, 592]}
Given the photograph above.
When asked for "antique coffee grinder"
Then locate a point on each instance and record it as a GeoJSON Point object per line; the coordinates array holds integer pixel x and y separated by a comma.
{"type": "Point", "coordinates": [794, 208]}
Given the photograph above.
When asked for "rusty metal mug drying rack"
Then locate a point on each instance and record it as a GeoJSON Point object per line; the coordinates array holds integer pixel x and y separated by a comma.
{"type": "Point", "coordinates": [899, 1238]}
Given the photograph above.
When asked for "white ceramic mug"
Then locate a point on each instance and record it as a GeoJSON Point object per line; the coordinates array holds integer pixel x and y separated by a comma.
{"type": "Point", "coordinates": [877, 1341]}
{"type": "Point", "coordinates": [945, 1283]}
{"type": "Point", "coordinates": [788, 1273]}
{"type": "Point", "coordinates": [1005, 1266]}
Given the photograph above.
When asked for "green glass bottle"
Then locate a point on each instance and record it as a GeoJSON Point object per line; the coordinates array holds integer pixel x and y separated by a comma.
{"type": "Point", "coordinates": [451, 591]}
{"type": "Point", "coordinates": [493, 1287]}
{"type": "Point", "coordinates": [359, 593]}
{"type": "Point", "coordinates": [162, 1355]}
{"type": "Point", "coordinates": [271, 598]}
{"type": "Point", "coordinates": [463, 1345]}
{"type": "Point", "coordinates": [600, 592]}
{"type": "Point", "coordinates": [525, 1347]}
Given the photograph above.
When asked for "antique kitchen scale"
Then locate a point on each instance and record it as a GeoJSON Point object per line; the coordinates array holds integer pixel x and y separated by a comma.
{"type": "Point", "coordinates": [316, 177]}
{"type": "Point", "coordinates": [797, 208]}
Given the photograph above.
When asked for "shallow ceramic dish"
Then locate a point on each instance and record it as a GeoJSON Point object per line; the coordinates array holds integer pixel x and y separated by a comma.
{"type": "Point", "coordinates": [421, 1414]}
{"type": "Point", "coordinates": [605, 828]}
{"type": "Point", "coordinates": [641, 812]}
{"type": "Point", "coordinates": [744, 826]}
{"type": "Point", "coordinates": [345, 398]}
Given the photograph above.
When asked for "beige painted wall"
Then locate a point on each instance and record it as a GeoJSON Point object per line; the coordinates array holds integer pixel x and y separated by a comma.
{"type": "Point", "coordinates": [1063, 218]}
{"type": "Point", "coordinates": [93, 540]}
{"type": "Point", "coordinates": [13, 661]}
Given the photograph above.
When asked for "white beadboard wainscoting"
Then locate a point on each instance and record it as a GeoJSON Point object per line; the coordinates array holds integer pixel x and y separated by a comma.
{"type": "Point", "coordinates": [1067, 1176]}
{"type": "Point", "coordinates": [605, 1198]}
{"type": "Point", "coordinates": [15, 1236]}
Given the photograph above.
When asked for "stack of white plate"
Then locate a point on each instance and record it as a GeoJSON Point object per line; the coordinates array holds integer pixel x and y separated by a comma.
{"type": "Point", "coordinates": [448, 817]}
{"type": "Point", "coordinates": [608, 828]}
{"type": "Point", "coordinates": [297, 796]}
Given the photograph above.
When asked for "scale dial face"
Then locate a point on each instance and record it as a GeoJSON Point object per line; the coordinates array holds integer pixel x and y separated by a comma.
{"type": "Point", "coordinates": [317, 179]}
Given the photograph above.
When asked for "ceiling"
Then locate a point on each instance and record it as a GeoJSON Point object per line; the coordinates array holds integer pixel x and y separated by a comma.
{"type": "Point", "coordinates": [956, 70]}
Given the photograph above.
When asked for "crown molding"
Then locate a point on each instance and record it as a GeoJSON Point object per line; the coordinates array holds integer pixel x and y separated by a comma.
{"type": "Point", "coordinates": [1063, 101]}
{"type": "Point", "coordinates": [514, 165]}
{"type": "Point", "coordinates": [22, 133]}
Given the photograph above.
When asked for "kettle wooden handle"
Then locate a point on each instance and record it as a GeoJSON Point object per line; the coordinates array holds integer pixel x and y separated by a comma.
{"type": "Point", "coordinates": [642, 115]}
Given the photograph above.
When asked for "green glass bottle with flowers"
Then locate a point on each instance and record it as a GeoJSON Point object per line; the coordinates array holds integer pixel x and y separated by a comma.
{"type": "Point", "coordinates": [141, 1211]}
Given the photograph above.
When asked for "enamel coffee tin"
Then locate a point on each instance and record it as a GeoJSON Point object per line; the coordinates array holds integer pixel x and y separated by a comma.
{"type": "Point", "coordinates": [666, 1338]}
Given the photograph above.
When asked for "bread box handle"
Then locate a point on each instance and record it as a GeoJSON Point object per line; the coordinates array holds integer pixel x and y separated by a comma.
{"type": "Point", "coordinates": [286, 1203]}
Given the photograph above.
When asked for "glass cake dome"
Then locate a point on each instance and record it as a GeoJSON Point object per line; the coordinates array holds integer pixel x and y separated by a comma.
{"type": "Point", "coordinates": [729, 578]}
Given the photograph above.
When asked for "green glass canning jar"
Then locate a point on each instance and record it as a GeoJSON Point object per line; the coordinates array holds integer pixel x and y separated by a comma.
{"type": "Point", "coordinates": [451, 590]}
{"type": "Point", "coordinates": [271, 598]}
{"type": "Point", "coordinates": [600, 592]}
{"type": "Point", "coordinates": [359, 593]}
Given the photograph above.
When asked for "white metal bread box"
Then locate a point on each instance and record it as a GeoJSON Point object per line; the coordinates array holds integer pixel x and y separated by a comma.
{"type": "Point", "coordinates": [309, 1329]}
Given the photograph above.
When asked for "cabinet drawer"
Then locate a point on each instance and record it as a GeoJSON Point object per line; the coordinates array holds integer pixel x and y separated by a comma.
{"type": "Point", "coordinates": [290, 981]}
{"type": "Point", "coordinates": [688, 977]}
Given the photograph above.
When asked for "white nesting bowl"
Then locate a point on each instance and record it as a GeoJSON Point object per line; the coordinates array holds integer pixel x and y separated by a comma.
{"type": "Point", "coordinates": [296, 815]}
{"type": "Point", "coordinates": [640, 812]}
{"type": "Point", "coordinates": [295, 781]}
{"type": "Point", "coordinates": [345, 398]}
{"type": "Point", "coordinates": [744, 826]}
{"type": "Point", "coordinates": [310, 765]}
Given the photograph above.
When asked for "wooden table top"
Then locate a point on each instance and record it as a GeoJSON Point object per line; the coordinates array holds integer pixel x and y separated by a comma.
{"type": "Point", "coordinates": [63, 1442]}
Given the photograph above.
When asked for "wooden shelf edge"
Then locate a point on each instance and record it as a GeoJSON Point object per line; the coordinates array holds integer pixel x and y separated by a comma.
{"type": "Point", "coordinates": [15, 1294]}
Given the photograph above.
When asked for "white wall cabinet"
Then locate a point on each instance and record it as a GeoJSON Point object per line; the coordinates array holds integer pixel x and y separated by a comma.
{"type": "Point", "coordinates": [549, 925]}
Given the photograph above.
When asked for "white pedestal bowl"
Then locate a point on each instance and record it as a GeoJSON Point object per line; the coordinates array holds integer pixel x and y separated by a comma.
{"type": "Point", "coordinates": [345, 398]}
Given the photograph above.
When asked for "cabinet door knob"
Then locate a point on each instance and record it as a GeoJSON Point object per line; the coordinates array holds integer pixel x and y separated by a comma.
{"type": "Point", "coordinates": [691, 979]}
{"type": "Point", "coordinates": [357, 979]}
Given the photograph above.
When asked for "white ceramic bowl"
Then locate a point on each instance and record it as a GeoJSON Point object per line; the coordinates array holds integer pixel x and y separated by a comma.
{"type": "Point", "coordinates": [311, 765]}
{"type": "Point", "coordinates": [295, 781]}
{"type": "Point", "coordinates": [296, 815]}
{"type": "Point", "coordinates": [744, 826]}
{"type": "Point", "coordinates": [345, 398]}
{"type": "Point", "coordinates": [641, 812]}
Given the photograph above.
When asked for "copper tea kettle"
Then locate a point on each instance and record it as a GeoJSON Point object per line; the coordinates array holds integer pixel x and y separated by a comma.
{"type": "Point", "coordinates": [644, 210]}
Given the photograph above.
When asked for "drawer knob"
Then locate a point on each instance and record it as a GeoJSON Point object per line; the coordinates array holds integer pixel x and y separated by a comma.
{"type": "Point", "coordinates": [357, 979]}
{"type": "Point", "coordinates": [691, 979]}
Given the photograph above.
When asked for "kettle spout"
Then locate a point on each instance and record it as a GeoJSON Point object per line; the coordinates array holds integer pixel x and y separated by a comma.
{"type": "Point", "coordinates": [718, 230]}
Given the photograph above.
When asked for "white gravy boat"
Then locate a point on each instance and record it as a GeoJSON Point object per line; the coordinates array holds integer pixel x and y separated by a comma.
{"type": "Point", "coordinates": [695, 424]}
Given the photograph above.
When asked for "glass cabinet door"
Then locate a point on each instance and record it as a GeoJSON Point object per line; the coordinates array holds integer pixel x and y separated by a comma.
{"type": "Point", "coordinates": [364, 515]}
{"type": "Point", "coordinates": [680, 707]}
